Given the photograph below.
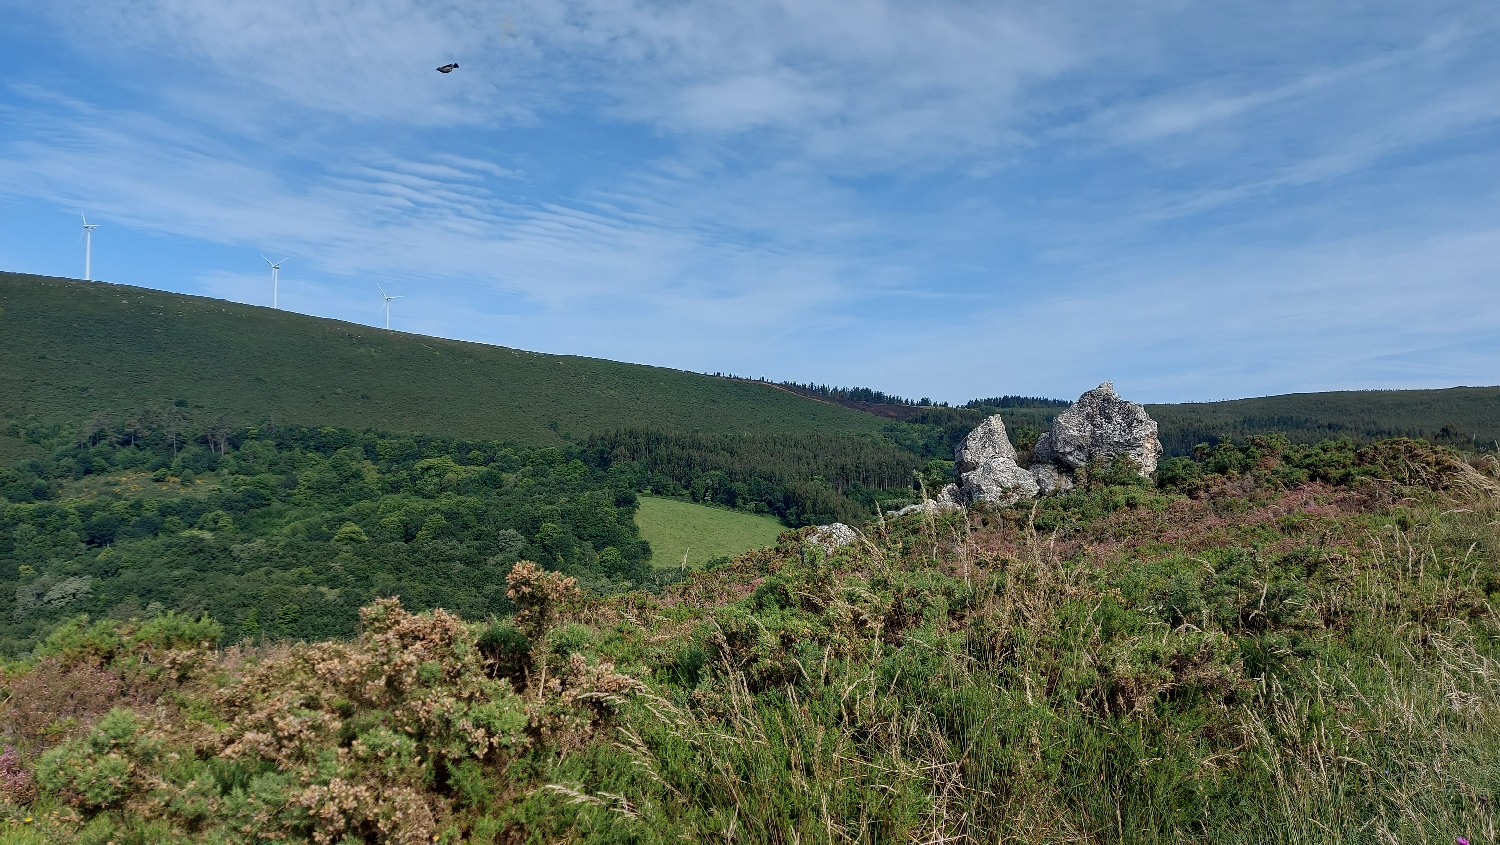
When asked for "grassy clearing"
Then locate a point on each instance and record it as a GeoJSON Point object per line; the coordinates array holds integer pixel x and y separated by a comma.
{"type": "Point", "coordinates": [675, 528]}
{"type": "Point", "coordinates": [70, 350]}
{"type": "Point", "coordinates": [139, 485]}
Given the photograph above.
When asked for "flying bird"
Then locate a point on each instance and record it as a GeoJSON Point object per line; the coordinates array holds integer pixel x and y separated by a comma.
{"type": "Point", "coordinates": [448, 68]}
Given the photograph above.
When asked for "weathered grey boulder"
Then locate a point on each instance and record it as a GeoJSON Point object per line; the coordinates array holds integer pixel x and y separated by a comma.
{"type": "Point", "coordinates": [1100, 425]}
{"type": "Point", "coordinates": [988, 472]}
{"type": "Point", "coordinates": [987, 444]}
{"type": "Point", "coordinates": [832, 536]}
{"type": "Point", "coordinates": [925, 506]}
{"type": "Point", "coordinates": [999, 483]}
{"type": "Point", "coordinates": [1049, 479]}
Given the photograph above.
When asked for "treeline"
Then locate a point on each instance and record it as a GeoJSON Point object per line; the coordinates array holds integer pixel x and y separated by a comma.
{"type": "Point", "coordinates": [853, 394]}
{"type": "Point", "coordinates": [995, 403]}
{"type": "Point", "coordinates": [811, 479]}
{"type": "Point", "coordinates": [1464, 418]}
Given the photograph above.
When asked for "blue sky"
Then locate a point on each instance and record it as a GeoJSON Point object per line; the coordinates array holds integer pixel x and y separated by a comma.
{"type": "Point", "coordinates": [1196, 200]}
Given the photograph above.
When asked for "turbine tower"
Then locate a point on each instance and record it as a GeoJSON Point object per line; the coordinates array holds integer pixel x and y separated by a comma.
{"type": "Point", "coordinates": [388, 299]}
{"type": "Point", "coordinates": [275, 273]}
{"type": "Point", "coordinates": [88, 247]}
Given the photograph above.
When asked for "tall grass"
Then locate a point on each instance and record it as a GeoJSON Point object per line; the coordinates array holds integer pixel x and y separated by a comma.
{"type": "Point", "coordinates": [1017, 708]}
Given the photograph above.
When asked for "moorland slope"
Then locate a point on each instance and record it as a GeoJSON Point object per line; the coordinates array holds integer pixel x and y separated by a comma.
{"type": "Point", "coordinates": [70, 350]}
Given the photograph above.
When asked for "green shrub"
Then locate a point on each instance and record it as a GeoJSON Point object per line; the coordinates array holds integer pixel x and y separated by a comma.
{"type": "Point", "coordinates": [95, 771]}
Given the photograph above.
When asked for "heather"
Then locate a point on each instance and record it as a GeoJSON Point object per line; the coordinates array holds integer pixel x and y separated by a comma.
{"type": "Point", "coordinates": [1270, 643]}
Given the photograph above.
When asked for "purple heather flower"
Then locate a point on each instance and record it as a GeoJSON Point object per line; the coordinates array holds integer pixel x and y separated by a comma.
{"type": "Point", "coordinates": [1463, 840]}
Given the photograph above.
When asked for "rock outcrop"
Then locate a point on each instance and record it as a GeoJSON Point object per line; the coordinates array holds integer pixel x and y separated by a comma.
{"type": "Point", "coordinates": [986, 445]}
{"type": "Point", "coordinates": [1099, 426]}
{"type": "Point", "coordinates": [987, 468]}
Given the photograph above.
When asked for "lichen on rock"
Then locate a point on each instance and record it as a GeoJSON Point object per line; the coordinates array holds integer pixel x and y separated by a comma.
{"type": "Point", "coordinates": [1099, 427]}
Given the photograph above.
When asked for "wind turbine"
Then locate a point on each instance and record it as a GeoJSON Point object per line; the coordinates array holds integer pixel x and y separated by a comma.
{"type": "Point", "coordinates": [275, 273]}
{"type": "Point", "coordinates": [388, 299]}
{"type": "Point", "coordinates": [88, 247]}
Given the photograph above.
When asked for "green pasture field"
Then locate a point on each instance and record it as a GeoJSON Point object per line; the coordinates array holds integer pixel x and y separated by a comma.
{"type": "Point", "coordinates": [71, 350]}
{"type": "Point", "coordinates": [675, 528]}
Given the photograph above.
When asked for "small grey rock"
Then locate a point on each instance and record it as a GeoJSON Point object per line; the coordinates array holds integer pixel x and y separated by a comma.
{"type": "Point", "coordinates": [948, 499]}
{"type": "Point", "coordinates": [926, 506]}
{"type": "Point", "coordinates": [830, 537]}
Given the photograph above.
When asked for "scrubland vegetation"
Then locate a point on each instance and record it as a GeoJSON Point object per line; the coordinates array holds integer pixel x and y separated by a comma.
{"type": "Point", "coordinates": [1276, 643]}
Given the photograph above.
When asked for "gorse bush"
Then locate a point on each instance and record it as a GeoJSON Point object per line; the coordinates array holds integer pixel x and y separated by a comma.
{"type": "Point", "coordinates": [391, 737]}
{"type": "Point", "coordinates": [1263, 658]}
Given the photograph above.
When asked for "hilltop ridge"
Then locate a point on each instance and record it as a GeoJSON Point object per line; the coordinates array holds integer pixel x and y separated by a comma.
{"type": "Point", "coordinates": [71, 349]}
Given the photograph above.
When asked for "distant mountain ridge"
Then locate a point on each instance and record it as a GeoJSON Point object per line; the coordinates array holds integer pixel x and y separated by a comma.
{"type": "Point", "coordinates": [1466, 417]}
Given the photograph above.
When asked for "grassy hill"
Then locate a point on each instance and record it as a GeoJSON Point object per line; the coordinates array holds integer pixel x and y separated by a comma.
{"type": "Point", "coordinates": [70, 350]}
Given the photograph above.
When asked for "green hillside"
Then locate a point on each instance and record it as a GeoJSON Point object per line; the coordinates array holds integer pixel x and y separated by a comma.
{"type": "Point", "coordinates": [1278, 645]}
{"type": "Point", "coordinates": [70, 350]}
{"type": "Point", "coordinates": [1465, 417]}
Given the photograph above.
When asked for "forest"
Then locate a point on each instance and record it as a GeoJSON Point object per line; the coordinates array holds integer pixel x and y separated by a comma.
{"type": "Point", "coordinates": [284, 532]}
